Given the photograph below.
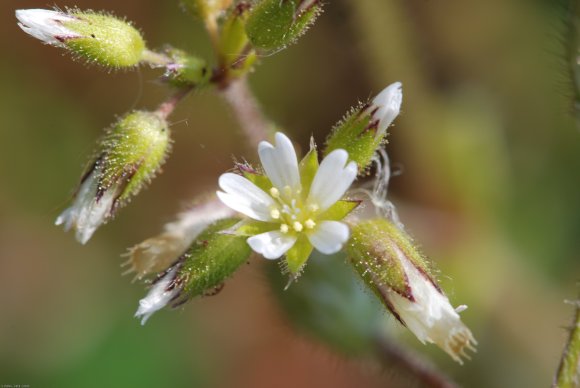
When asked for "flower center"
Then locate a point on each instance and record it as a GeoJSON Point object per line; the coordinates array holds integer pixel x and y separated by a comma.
{"type": "Point", "coordinates": [291, 211]}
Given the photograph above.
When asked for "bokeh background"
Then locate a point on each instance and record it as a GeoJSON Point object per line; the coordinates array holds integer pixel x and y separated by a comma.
{"type": "Point", "coordinates": [486, 147]}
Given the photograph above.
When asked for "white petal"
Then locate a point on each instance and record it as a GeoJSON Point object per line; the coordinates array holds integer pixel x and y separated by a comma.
{"type": "Point", "coordinates": [158, 296]}
{"type": "Point", "coordinates": [332, 179]}
{"type": "Point", "coordinates": [389, 103]}
{"type": "Point", "coordinates": [86, 213]}
{"type": "Point", "coordinates": [245, 197]}
{"type": "Point", "coordinates": [271, 245]}
{"type": "Point", "coordinates": [280, 162]}
{"type": "Point", "coordinates": [431, 317]}
{"type": "Point", "coordinates": [45, 25]}
{"type": "Point", "coordinates": [329, 236]}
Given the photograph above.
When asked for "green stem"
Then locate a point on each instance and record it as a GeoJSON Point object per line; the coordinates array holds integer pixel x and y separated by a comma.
{"type": "Point", "coordinates": [155, 59]}
{"type": "Point", "coordinates": [568, 375]}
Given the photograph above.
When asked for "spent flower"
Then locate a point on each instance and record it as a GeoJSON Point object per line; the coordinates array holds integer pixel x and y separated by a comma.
{"type": "Point", "coordinates": [128, 157]}
{"type": "Point", "coordinates": [363, 130]}
{"type": "Point", "coordinates": [96, 37]}
{"type": "Point", "coordinates": [294, 207]}
{"type": "Point", "coordinates": [393, 268]}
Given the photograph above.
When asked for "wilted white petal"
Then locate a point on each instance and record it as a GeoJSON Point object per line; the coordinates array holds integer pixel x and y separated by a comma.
{"type": "Point", "coordinates": [158, 296]}
{"type": "Point", "coordinates": [245, 197]}
{"type": "Point", "coordinates": [329, 236]}
{"type": "Point", "coordinates": [157, 253]}
{"type": "Point", "coordinates": [272, 245]}
{"type": "Point", "coordinates": [46, 25]}
{"type": "Point", "coordinates": [280, 162]}
{"type": "Point", "coordinates": [388, 103]}
{"type": "Point", "coordinates": [87, 213]}
{"type": "Point", "coordinates": [430, 316]}
{"type": "Point", "coordinates": [332, 179]}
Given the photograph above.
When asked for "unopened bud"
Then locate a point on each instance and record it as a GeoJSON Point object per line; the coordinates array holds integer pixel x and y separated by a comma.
{"type": "Point", "coordinates": [96, 37]}
{"type": "Point", "coordinates": [128, 157]}
{"type": "Point", "coordinates": [202, 270]}
{"type": "Point", "coordinates": [274, 24]}
{"type": "Point", "coordinates": [186, 69]}
{"type": "Point", "coordinates": [363, 130]}
{"type": "Point", "coordinates": [393, 268]}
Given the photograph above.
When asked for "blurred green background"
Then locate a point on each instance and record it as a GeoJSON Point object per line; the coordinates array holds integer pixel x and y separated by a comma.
{"type": "Point", "coordinates": [487, 147]}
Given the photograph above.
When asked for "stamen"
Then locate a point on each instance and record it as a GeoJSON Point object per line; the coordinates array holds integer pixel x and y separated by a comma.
{"type": "Point", "coordinates": [297, 226]}
{"type": "Point", "coordinates": [284, 228]}
{"type": "Point", "coordinates": [274, 192]}
{"type": "Point", "coordinates": [309, 224]}
{"type": "Point", "coordinates": [313, 207]}
{"type": "Point", "coordinates": [275, 213]}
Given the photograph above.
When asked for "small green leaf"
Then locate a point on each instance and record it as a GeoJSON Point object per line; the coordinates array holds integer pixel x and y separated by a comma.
{"type": "Point", "coordinates": [297, 256]}
{"type": "Point", "coordinates": [233, 38]}
{"type": "Point", "coordinates": [255, 177]}
{"type": "Point", "coordinates": [308, 167]}
{"type": "Point", "coordinates": [339, 210]}
{"type": "Point", "coordinates": [252, 228]}
{"type": "Point", "coordinates": [212, 258]}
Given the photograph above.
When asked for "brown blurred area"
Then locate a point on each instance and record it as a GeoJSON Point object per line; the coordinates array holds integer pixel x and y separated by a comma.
{"type": "Point", "coordinates": [486, 146]}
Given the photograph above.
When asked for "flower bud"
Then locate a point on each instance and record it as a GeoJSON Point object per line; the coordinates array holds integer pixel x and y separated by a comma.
{"type": "Point", "coordinates": [393, 268]}
{"type": "Point", "coordinates": [362, 131]}
{"type": "Point", "coordinates": [212, 258]}
{"type": "Point", "coordinates": [96, 37]}
{"type": "Point", "coordinates": [186, 69]}
{"type": "Point", "coordinates": [128, 156]}
{"type": "Point", "coordinates": [274, 24]}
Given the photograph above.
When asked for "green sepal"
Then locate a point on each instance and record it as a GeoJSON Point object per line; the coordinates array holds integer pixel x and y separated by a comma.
{"type": "Point", "coordinates": [104, 39]}
{"type": "Point", "coordinates": [357, 135]}
{"type": "Point", "coordinates": [260, 180]}
{"type": "Point", "coordinates": [233, 39]}
{"type": "Point", "coordinates": [186, 69]}
{"type": "Point", "coordinates": [132, 152]}
{"type": "Point", "coordinates": [308, 167]}
{"type": "Point", "coordinates": [250, 228]}
{"type": "Point", "coordinates": [212, 258]}
{"type": "Point", "coordinates": [274, 24]}
{"type": "Point", "coordinates": [374, 249]}
{"type": "Point", "coordinates": [339, 210]}
{"type": "Point", "coordinates": [297, 256]}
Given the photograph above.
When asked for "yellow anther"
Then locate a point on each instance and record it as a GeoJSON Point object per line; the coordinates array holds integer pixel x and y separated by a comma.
{"type": "Point", "coordinates": [313, 207]}
{"type": "Point", "coordinates": [309, 224]}
{"type": "Point", "coordinates": [284, 228]}
{"type": "Point", "coordinates": [274, 192]}
{"type": "Point", "coordinates": [275, 213]}
{"type": "Point", "coordinates": [297, 226]}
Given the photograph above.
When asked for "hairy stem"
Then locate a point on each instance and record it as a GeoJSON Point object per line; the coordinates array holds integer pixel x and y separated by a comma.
{"type": "Point", "coordinates": [155, 59]}
{"type": "Point", "coordinates": [246, 109]}
{"type": "Point", "coordinates": [395, 356]}
{"type": "Point", "coordinates": [568, 375]}
{"type": "Point", "coordinates": [168, 106]}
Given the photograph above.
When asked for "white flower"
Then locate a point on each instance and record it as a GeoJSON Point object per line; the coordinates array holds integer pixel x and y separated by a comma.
{"type": "Point", "coordinates": [430, 315]}
{"type": "Point", "coordinates": [45, 25]}
{"type": "Point", "coordinates": [90, 208]}
{"type": "Point", "coordinates": [290, 211]}
{"type": "Point", "coordinates": [386, 106]}
{"type": "Point", "coordinates": [156, 253]}
{"type": "Point", "coordinates": [161, 293]}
